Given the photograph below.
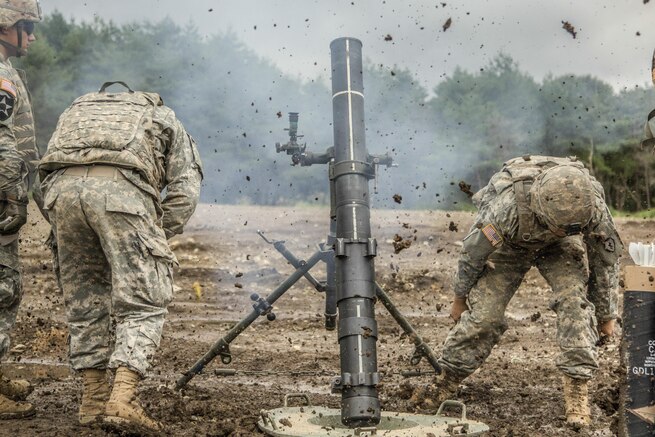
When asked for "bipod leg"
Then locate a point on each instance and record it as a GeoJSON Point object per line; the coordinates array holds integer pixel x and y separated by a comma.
{"type": "Point", "coordinates": [261, 307]}
{"type": "Point", "coordinates": [329, 287]}
{"type": "Point", "coordinates": [422, 349]}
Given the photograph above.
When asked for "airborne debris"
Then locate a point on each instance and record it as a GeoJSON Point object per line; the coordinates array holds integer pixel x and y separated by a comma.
{"type": "Point", "coordinates": [388, 37]}
{"type": "Point", "coordinates": [400, 244]}
{"type": "Point", "coordinates": [569, 28]}
{"type": "Point", "coordinates": [279, 114]}
{"type": "Point", "coordinates": [447, 24]}
{"type": "Point", "coordinates": [238, 285]}
{"type": "Point", "coordinates": [398, 198]}
{"type": "Point", "coordinates": [465, 188]}
{"type": "Point", "coordinates": [452, 227]}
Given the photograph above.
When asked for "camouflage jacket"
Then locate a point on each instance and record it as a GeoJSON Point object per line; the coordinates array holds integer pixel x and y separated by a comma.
{"type": "Point", "coordinates": [497, 224]}
{"type": "Point", "coordinates": [144, 136]}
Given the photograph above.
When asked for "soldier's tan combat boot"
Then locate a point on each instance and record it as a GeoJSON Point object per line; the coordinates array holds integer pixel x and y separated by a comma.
{"type": "Point", "coordinates": [10, 409]}
{"type": "Point", "coordinates": [123, 409]}
{"type": "Point", "coordinates": [94, 396]}
{"type": "Point", "coordinates": [430, 397]}
{"type": "Point", "coordinates": [576, 399]}
{"type": "Point", "coordinates": [15, 389]}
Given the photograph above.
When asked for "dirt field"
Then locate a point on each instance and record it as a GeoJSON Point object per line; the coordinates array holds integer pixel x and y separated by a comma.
{"type": "Point", "coordinates": [223, 260]}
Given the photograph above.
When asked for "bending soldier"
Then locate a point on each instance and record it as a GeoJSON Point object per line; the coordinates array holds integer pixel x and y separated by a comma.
{"type": "Point", "coordinates": [107, 163]}
{"type": "Point", "coordinates": [549, 213]}
{"type": "Point", "coordinates": [18, 154]}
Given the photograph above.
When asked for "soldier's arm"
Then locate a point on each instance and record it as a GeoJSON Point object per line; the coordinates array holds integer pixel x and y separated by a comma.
{"type": "Point", "coordinates": [483, 239]}
{"type": "Point", "coordinates": [183, 178]}
{"type": "Point", "coordinates": [13, 167]}
{"type": "Point", "coordinates": [13, 170]}
{"type": "Point", "coordinates": [604, 248]}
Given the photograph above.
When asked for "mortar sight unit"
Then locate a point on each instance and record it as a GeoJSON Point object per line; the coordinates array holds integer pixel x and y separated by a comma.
{"type": "Point", "coordinates": [292, 147]}
{"type": "Point", "coordinates": [300, 155]}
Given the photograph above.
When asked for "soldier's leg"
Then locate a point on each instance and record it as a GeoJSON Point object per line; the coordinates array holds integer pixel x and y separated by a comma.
{"type": "Point", "coordinates": [11, 293]}
{"type": "Point", "coordinates": [142, 288]}
{"type": "Point", "coordinates": [470, 342]}
{"type": "Point", "coordinates": [83, 275]}
{"type": "Point", "coordinates": [12, 392]}
{"type": "Point", "coordinates": [141, 265]}
{"type": "Point", "coordinates": [563, 265]}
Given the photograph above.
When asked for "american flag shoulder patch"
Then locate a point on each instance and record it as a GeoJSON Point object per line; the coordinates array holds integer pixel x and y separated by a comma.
{"type": "Point", "coordinates": [7, 86]}
{"type": "Point", "coordinates": [492, 235]}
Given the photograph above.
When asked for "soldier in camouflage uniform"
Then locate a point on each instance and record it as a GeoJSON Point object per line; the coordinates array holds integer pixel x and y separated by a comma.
{"type": "Point", "coordinates": [549, 213]}
{"type": "Point", "coordinates": [649, 128]}
{"type": "Point", "coordinates": [107, 163]}
{"type": "Point", "coordinates": [18, 154]}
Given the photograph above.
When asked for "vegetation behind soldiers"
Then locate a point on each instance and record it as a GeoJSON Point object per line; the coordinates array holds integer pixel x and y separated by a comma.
{"type": "Point", "coordinates": [235, 104]}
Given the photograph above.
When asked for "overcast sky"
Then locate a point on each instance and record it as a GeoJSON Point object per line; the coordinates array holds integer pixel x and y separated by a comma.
{"type": "Point", "coordinates": [615, 38]}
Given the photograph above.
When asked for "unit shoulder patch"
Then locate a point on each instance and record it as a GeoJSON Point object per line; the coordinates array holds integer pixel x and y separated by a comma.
{"type": "Point", "coordinates": [7, 103]}
{"type": "Point", "coordinates": [610, 244]}
{"type": "Point", "coordinates": [492, 235]}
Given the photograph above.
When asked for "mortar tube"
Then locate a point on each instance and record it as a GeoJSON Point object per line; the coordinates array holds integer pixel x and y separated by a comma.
{"type": "Point", "coordinates": [330, 264]}
{"type": "Point", "coordinates": [354, 247]}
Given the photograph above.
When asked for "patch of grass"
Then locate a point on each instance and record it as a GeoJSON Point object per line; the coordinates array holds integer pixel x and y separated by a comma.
{"type": "Point", "coordinates": [644, 214]}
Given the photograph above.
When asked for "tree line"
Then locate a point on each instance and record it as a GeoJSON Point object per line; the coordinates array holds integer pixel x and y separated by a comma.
{"type": "Point", "coordinates": [235, 104]}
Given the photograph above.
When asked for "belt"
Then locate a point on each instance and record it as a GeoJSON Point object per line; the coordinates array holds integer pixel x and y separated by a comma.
{"type": "Point", "coordinates": [101, 171]}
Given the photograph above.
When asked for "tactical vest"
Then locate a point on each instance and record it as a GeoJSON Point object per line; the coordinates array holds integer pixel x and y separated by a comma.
{"type": "Point", "coordinates": [523, 171]}
{"type": "Point", "coordinates": [109, 128]}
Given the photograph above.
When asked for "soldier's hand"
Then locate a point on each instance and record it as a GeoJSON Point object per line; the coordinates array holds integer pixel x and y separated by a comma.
{"type": "Point", "coordinates": [606, 328]}
{"type": "Point", "coordinates": [459, 306]}
{"type": "Point", "coordinates": [15, 217]}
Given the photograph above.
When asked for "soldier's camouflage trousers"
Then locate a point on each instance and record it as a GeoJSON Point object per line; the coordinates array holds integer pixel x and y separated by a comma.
{"type": "Point", "coordinates": [563, 265]}
{"type": "Point", "coordinates": [11, 293]}
{"type": "Point", "coordinates": [114, 263]}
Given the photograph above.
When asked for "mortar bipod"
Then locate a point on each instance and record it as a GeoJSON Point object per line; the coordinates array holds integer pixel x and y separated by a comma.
{"type": "Point", "coordinates": [261, 307]}
{"type": "Point", "coordinates": [421, 349]}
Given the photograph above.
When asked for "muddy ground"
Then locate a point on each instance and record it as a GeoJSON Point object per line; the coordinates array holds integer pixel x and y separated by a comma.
{"type": "Point", "coordinates": [223, 260]}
